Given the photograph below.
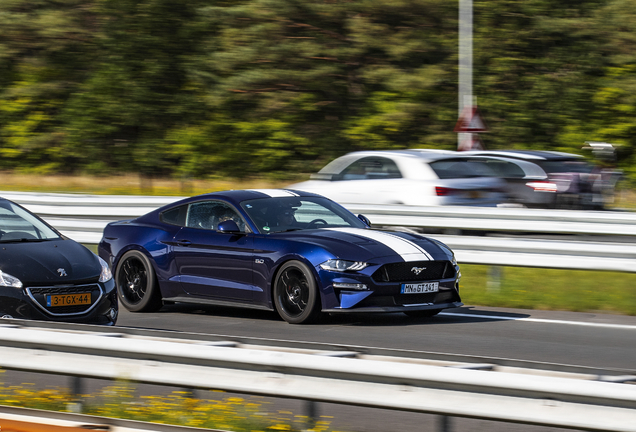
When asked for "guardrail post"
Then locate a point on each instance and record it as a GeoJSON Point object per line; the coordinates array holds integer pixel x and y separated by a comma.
{"type": "Point", "coordinates": [311, 408]}
{"type": "Point", "coordinates": [444, 423]}
{"type": "Point", "coordinates": [76, 392]}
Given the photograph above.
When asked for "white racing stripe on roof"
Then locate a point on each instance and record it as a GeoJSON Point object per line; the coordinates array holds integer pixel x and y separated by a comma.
{"type": "Point", "coordinates": [276, 193]}
{"type": "Point", "coordinates": [408, 250]}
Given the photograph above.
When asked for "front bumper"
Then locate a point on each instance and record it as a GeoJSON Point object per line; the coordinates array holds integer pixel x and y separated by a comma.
{"type": "Point", "coordinates": [380, 296]}
{"type": "Point", "coordinates": [30, 303]}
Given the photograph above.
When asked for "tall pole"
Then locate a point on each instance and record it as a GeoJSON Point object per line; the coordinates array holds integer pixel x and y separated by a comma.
{"type": "Point", "coordinates": [465, 60]}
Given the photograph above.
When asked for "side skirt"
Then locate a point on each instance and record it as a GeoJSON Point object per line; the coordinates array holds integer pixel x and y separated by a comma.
{"type": "Point", "coordinates": [206, 301]}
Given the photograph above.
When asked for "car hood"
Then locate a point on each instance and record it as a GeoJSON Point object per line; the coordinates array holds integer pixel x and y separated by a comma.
{"type": "Point", "coordinates": [360, 244]}
{"type": "Point", "coordinates": [42, 263]}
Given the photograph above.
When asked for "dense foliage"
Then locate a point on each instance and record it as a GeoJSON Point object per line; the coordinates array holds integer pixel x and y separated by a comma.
{"type": "Point", "coordinates": [245, 87]}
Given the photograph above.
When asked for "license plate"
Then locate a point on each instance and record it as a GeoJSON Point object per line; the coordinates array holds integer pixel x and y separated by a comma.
{"type": "Point", "coordinates": [68, 299]}
{"type": "Point", "coordinates": [474, 194]}
{"type": "Point", "coordinates": [420, 288]}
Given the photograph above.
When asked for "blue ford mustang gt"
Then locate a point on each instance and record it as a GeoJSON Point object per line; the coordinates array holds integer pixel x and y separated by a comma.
{"type": "Point", "coordinates": [294, 252]}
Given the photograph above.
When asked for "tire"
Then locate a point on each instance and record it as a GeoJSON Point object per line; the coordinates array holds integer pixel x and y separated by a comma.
{"type": "Point", "coordinates": [422, 313]}
{"type": "Point", "coordinates": [296, 295]}
{"type": "Point", "coordinates": [136, 282]}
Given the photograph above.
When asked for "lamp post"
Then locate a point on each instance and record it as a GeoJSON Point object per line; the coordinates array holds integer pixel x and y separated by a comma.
{"type": "Point", "coordinates": [465, 61]}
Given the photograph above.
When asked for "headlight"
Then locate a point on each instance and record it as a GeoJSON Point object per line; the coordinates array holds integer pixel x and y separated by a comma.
{"type": "Point", "coordinates": [9, 281]}
{"type": "Point", "coordinates": [106, 274]}
{"type": "Point", "coordinates": [342, 265]}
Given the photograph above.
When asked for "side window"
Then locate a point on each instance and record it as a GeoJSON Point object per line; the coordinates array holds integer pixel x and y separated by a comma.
{"type": "Point", "coordinates": [371, 168]}
{"type": "Point", "coordinates": [174, 216]}
{"type": "Point", "coordinates": [208, 214]}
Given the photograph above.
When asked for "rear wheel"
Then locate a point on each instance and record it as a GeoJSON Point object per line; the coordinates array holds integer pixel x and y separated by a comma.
{"type": "Point", "coordinates": [422, 313]}
{"type": "Point", "coordinates": [137, 283]}
{"type": "Point", "coordinates": [295, 293]}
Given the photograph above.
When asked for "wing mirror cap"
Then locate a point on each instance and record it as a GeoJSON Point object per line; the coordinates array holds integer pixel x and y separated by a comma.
{"type": "Point", "coordinates": [365, 219]}
{"type": "Point", "coordinates": [228, 226]}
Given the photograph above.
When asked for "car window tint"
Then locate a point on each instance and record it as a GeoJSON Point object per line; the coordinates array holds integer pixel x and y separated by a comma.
{"type": "Point", "coordinates": [297, 213]}
{"type": "Point", "coordinates": [371, 168]}
{"type": "Point", "coordinates": [208, 214]}
{"type": "Point", "coordinates": [174, 216]}
{"type": "Point", "coordinates": [461, 168]}
{"type": "Point", "coordinates": [505, 168]}
{"type": "Point", "coordinates": [566, 166]}
{"type": "Point", "coordinates": [17, 223]}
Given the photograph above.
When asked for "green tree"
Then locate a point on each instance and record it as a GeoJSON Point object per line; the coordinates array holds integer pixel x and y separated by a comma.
{"type": "Point", "coordinates": [43, 47]}
{"type": "Point", "coordinates": [137, 89]}
{"type": "Point", "coordinates": [301, 82]}
{"type": "Point", "coordinates": [536, 70]}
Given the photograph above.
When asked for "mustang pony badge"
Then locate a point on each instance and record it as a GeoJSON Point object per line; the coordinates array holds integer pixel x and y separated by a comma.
{"type": "Point", "coordinates": [61, 272]}
{"type": "Point", "coordinates": [418, 270]}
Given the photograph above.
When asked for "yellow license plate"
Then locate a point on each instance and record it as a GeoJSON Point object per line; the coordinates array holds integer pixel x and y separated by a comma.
{"type": "Point", "coordinates": [68, 299]}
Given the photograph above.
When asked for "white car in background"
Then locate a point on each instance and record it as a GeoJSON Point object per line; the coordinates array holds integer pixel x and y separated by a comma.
{"type": "Point", "coordinates": [410, 177]}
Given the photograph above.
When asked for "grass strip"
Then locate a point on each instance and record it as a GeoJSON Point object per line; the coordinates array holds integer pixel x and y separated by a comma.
{"type": "Point", "coordinates": [549, 289]}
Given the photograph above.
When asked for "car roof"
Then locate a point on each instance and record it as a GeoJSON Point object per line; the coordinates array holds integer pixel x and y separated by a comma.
{"type": "Point", "coordinates": [240, 195]}
{"type": "Point", "coordinates": [427, 155]}
{"type": "Point", "coordinates": [537, 155]}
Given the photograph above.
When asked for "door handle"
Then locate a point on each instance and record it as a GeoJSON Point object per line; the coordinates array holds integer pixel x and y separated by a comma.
{"type": "Point", "coordinates": [184, 242]}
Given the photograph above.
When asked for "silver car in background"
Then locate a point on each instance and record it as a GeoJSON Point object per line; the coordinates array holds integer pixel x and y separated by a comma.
{"type": "Point", "coordinates": [410, 177]}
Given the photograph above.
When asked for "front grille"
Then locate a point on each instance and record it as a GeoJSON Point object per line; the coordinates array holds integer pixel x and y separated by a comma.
{"type": "Point", "coordinates": [38, 295]}
{"type": "Point", "coordinates": [412, 299]}
{"type": "Point", "coordinates": [407, 271]}
{"type": "Point", "coordinates": [441, 297]}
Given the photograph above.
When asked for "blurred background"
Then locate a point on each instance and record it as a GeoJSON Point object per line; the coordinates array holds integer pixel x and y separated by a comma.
{"type": "Point", "coordinates": [275, 89]}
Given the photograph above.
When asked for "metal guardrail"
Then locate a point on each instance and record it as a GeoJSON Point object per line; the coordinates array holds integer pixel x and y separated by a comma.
{"type": "Point", "coordinates": [83, 218]}
{"type": "Point", "coordinates": [566, 400]}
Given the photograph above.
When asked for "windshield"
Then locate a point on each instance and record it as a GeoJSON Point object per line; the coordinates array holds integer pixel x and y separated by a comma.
{"type": "Point", "coordinates": [17, 224]}
{"type": "Point", "coordinates": [298, 213]}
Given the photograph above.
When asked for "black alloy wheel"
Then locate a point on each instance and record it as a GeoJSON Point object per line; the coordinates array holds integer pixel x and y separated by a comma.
{"type": "Point", "coordinates": [137, 283]}
{"type": "Point", "coordinates": [295, 294]}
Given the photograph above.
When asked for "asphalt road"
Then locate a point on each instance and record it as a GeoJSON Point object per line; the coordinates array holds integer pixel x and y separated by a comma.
{"type": "Point", "coordinates": [599, 341]}
{"type": "Point", "coordinates": [581, 339]}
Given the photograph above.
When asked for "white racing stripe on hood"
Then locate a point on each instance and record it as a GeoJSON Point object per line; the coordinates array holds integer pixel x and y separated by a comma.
{"type": "Point", "coordinates": [276, 193]}
{"type": "Point", "coordinates": [408, 250]}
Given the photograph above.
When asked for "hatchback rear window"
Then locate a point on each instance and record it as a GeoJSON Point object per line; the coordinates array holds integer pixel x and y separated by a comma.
{"type": "Point", "coordinates": [461, 168]}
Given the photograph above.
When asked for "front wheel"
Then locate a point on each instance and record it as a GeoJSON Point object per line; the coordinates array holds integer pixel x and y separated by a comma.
{"type": "Point", "coordinates": [295, 293]}
{"type": "Point", "coordinates": [137, 284]}
{"type": "Point", "coordinates": [422, 313]}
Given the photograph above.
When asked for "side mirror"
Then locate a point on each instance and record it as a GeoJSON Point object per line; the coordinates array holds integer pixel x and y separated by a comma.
{"type": "Point", "coordinates": [365, 219]}
{"type": "Point", "coordinates": [228, 226]}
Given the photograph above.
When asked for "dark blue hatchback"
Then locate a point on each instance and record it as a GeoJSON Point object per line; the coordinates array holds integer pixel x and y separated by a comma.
{"type": "Point", "coordinates": [294, 252]}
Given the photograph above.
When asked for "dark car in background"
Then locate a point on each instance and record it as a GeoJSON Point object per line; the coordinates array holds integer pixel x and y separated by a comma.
{"type": "Point", "coordinates": [46, 276]}
{"type": "Point", "coordinates": [571, 182]}
{"type": "Point", "coordinates": [527, 184]}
